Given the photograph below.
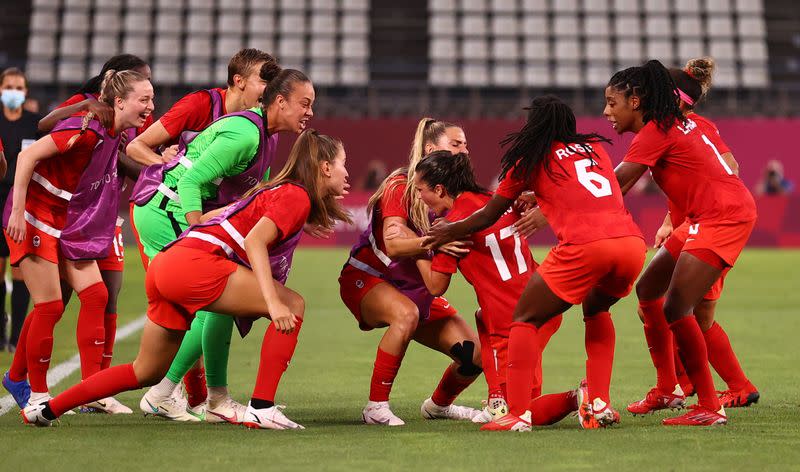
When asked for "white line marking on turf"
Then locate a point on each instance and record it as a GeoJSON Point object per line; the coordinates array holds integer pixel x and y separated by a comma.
{"type": "Point", "coordinates": [66, 368]}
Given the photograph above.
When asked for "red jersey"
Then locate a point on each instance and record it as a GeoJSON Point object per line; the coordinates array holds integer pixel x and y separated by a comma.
{"type": "Point", "coordinates": [579, 196]}
{"type": "Point", "coordinates": [192, 112]}
{"type": "Point", "coordinates": [499, 257]}
{"type": "Point", "coordinates": [689, 168]}
{"type": "Point", "coordinates": [79, 97]}
{"type": "Point", "coordinates": [390, 204]}
{"type": "Point", "coordinates": [287, 205]}
{"type": "Point", "coordinates": [1, 145]}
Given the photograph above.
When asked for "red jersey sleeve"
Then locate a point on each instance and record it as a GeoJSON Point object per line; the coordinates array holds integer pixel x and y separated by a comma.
{"type": "Point", "coordinates": [649, 145]}
{"type": "Point", "coordinates": [77, 98]}
{"type": "Point", "coordinates": [288, 207]}
{"type": "Point", "coordinates": [444, 263]}
{"type": "Point", "coordinates": [392, 199]}
{"type": "Point", "coordinates": [190, 112]}
{"type": "Point", "coordinates": [1, 145]}
{"type": "Point", "coordinates": [511, 187]}
{"type": "Point", "coordinates": [85, 141]}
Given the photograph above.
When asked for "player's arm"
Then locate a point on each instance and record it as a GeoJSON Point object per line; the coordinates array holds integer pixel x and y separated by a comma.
{"type": "Point", "coordinates": [42, 149]}
{"type": "Point", "coordinates": [663, 232]}
{"type": "Point", "coordinates": [129, 167]}
{"type": "Point", "coordinates": [398, 230]}
{"type": "Point", "coordinates": [3, 164]}
{"type": "Point", "coordinates": [255, 245]}
{"type": "Point", "coordinates": [101, 111]}
{"type": "Point", "coordinates": [628, 173]}
{"type": "Point", "coordinates": [141, 148]}
{"type": "Point", "coordinates": [443, 232]}
{"type": "Point", "coordinates": [436, 282]}
{"type": "Point", "coordinates": [211, 214]}
{"type": "Point", "coordinates": [732, 163]}
{"type": "Point", "coordinates": [399, 240]}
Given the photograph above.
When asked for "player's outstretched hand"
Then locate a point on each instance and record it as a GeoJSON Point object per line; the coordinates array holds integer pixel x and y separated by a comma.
{"type": "Point", "coordinates": [283, 319]}
{"type": "Point", "coordinates": [317, 231]}
{"type": "Point", "coordinates": [440, 234]}
{"type": "Point", "coordinates": [456, 248]}
{"type": "Point", "coordinates": [102, 111]}
{"type": "Point", "coordinates": [169, 153]}
{"type": "Point", "coordinates": [525, 202]}
{"type": "Point", "coordinates": [531, 221]}
{"type": "Point", "coordinates": [663, 233]}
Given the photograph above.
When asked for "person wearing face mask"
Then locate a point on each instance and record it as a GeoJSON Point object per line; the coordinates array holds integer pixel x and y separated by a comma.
{"type": "Point", "coordinates": [17, 130]}
{"type": "Point", "coordinates": [64, 188]}
{"type": "Point", "coordinates": [216, 166]}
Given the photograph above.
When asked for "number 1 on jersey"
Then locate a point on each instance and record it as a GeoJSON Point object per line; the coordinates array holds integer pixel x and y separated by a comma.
{"type": "Point", "coordinates": [494, 246]}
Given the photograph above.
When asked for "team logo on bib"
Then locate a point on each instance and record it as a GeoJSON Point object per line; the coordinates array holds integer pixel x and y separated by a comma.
{"type": "Point", "coordinates": [37, 241]}
{"type": "Point", "coordinates": [360, 283]}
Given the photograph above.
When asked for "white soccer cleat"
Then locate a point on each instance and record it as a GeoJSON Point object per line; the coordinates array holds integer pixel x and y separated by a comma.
{"type": "Point", "coordinates": [198, 411]}
{"type": "Point", "coordinates": [110, 405]}
{"type": "Point", "coordinates": [227, 411]}
{"type": "Point", "coordinates": [432, 411]}
{"type": "Point", "coordinates": [484, 416]}
{"type": "Point", "coordinates": [268, 418]}
{"type": "Point", "coordinates": [380, 413]}
{"type": "Point", "coordinates": [41, 399]}
{"type": "Point", "coordinates": [171, 408]}
{"type": "Point", "coordinates": [32, 414]}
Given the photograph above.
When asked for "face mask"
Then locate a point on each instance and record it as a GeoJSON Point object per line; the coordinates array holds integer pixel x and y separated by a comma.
{"type": "Point", "coordinates": [12, 99]}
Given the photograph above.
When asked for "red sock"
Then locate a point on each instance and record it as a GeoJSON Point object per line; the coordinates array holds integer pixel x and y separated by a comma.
{"type": "Point", "coordinates": [19, 364]}
{"type": "Point", "coordinates": [693, 347]}
{"type": "Point", "coordinates": [40, 342]}
{"type": "Point", "coordinates": [451, 385]}
{"type": "Point", "coordinates": [105, 383]}
{"type": "Point", "coordinates": [659, 342]}
{"type": "Point", "coordinates": [723, 359]}
{"type": "Point", "coordinates": [600, 339]}
{"type": "Point", "coordinates": [276, 352]}
{"type": "Point", "coordinates": [680, 370]}
{"type": "Point", "coordinates": [91, 332]}
{"type": "Point", "coordinates": [552, 408]}
{"type": "Point", "coordinates": [110, 325]}
{"type": "Point", "coordinates": [488, 359]}
{"type": "Point", "coordinates": [524, 353]}
{"type": "Point", "coordinates": [383, 375]}
{"type": "Point", "coordinates": [195, 383]}
{"type": "Point", "coordinates": [545, 332]}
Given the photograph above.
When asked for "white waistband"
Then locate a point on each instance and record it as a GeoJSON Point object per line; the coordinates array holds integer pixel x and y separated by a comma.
{"type": "Point", "coordinates": [47, 185]}
{"type": "Point", "coordinates": [361, 266]}
{"type": "Point", "coordinates": [41, 226]}
{"type": "Point", "coordinates": [233, 232]}
{"type": "Point", "coordinates": [210, 238]}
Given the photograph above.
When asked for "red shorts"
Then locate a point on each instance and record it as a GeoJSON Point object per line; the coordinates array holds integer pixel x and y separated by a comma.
{"type": "Point", "coordinates": [674, 245]}
{"type": "Point", "coordinates": [181, 281]}
{"type": "Point", "coordinates": [116, 255]}
{"type": "Point", "coordinates": [37, 243]}
{"type": "Point", "coordinates": [355, 283]}
{"type": "Point", "coordinates": [725, 239]}
{"type": "Point", "coordinates": [610, 265]}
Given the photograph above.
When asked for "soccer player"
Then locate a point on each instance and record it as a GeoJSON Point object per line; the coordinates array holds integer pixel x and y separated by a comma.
{"type": "Point", "coordinates": [111, 267]}
{"type": "Point", "coordinates": [239, 258]}
{"type": "Point", "coordinates": [248, 71]}
{"type": "Point", "coordinates": [55, 204]}
{"type": "Point", "coordinates": [599, 254]}
{"type": "Point", "coordinates": [382, 288]}
{"type": "Point", "coordinates": [691, 170]}
{"type": "Point", "coordinates": [216, 167]}
{"type": "Point", "coordinates": [446, 183]}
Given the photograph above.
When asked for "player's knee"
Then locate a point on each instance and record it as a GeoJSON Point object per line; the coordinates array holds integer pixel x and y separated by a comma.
{"type": "Point", "coordinates": [644, 291]}
{"type": "Point", "coordinates": [640, 313]}
{"type": "Point", "coordinates": [704, 312]}
{"type": "Point", "coordinates": [406, 320]}
{"type": "Point", "coordinates": [298, 306]}
{"type": "Point", "coordinates": [674, 309]}
{"type": "Point", "coordinates": [467, 356]}
{"type": "Point", "coordinates": [148, 375]}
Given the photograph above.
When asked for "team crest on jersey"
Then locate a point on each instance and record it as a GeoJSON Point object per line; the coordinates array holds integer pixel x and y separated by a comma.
{"type": "Point", "coordinates": [360, 283]}
{"type": "Point", "coordinates": [37, 241]}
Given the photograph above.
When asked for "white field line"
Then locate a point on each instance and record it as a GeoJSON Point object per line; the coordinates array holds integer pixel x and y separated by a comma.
{"type": "Point", "coordinates": [65, 369]}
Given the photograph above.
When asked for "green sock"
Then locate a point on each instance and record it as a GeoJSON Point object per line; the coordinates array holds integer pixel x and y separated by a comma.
{"type": "Point", "coordinates": [216, 348]}
{"type": "Point", "coordinates": [190, 351]}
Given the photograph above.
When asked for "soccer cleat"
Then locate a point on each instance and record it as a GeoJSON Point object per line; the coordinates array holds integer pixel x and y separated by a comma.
{"type": "Point", "coordinates": [21, 391]}
{"type": "Point", "coordinates": [42, 398]}
{"type": "Point", "coordinates": [698, 416]}
{"type": "Point", "coordinates": [595, 414]}
{"type": "Point", "coordinates": [739, 398]}
{"type": "Point", "coordinates": [510, 422]}
{"type": "Point", "coordinates": [380, 413]}
{"type": "Point", "coordinates": [268, 418]}
{"type": "Point", "coordinates": [432, 411]}
{"type": "Point", "coordinates": [227, 411]}
{"type": "Point", "coordinates": [171, 408]}
{"type": "Point", "coordinates": [109, 405]}
{"type": "Point", "coordinates": [32, 414]}
{"type": "Point", "coordinates": [198, 411]}
{"type": "Point", "coordinates": [657, 400]}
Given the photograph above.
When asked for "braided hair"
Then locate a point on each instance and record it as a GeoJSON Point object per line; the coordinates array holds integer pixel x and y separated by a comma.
{"type": "Point", "coordinates": [549, 120]}
{"type": "Point", "coordinates": [651, 82]}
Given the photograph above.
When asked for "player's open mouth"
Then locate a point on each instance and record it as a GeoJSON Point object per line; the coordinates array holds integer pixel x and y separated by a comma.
{"type": "Point", "coordinates": [613, 124]}
{"type": "Point", "coordinates": [303, 124]}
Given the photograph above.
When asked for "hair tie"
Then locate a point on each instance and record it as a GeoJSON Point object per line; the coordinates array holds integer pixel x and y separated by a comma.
{"type": "Point", "coordinates": [689, 73]}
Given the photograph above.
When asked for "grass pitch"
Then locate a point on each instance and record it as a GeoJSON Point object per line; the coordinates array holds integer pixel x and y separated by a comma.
{"type": "Point", "coordinates": [327, 384]}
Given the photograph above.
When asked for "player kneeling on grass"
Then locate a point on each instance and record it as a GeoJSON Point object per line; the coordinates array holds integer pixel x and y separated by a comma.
{"type": "Point", "coordinates": [238, 251]}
